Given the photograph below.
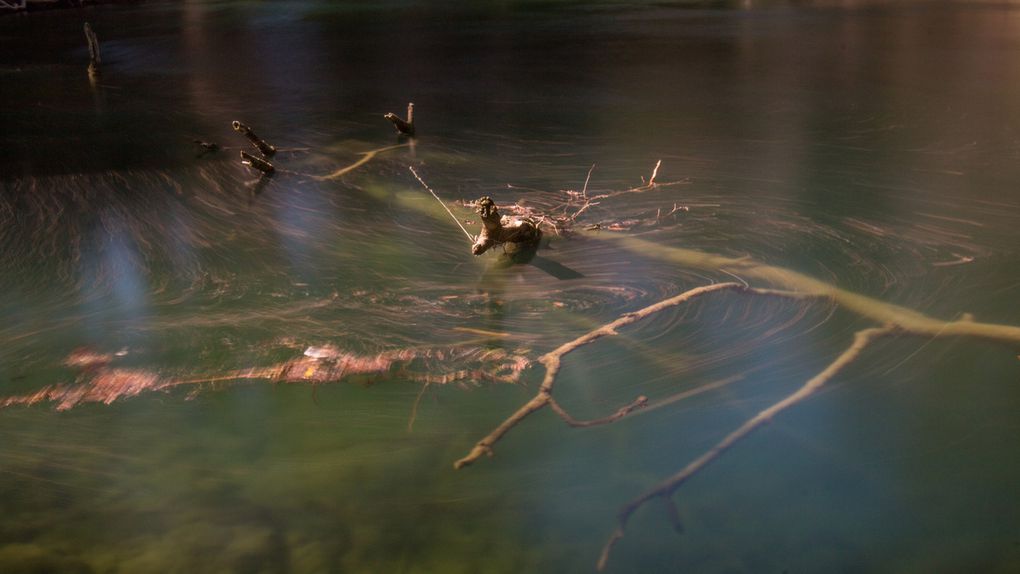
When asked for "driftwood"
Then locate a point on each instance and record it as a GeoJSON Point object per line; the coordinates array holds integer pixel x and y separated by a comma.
{"type": "Point", "coordinates": [365, 158]}
{"type": "Point", "coordinates": [257, 163]}
{"type": "Point", "coordinates": [890, 319]}
{"type": "Point", "coordinates": [894, 320]}
{"type": "Point", "coordinates": [497, 230]}
{"type": "Point", "coordinates": [99, 381]}
{"type": "Point", "coordinates": [260, 144]}
{"type": "Point", "coordinates": [404, 127]}
{"type": "Point", "coordinates": [94, 57]}
{"type": "Point", "coordinates": [565, 218]}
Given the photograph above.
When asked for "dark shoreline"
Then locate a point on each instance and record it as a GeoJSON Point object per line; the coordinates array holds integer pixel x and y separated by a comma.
{"type": "Point", "coordinates": [45, 5]}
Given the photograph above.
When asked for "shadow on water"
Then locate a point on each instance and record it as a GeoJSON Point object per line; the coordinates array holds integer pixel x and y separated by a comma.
{"type": "Point", "coordinates": [527, 254]}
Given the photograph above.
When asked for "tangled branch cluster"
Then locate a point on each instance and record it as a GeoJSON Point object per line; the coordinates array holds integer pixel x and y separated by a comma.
{"type": "Point", "coordinates": [891, 320]}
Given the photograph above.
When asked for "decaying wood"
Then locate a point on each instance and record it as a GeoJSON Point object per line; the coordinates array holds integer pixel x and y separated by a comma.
{"type": "Point", "coordinates": [553, 360]}
{"type": "Point", "coordinates": [365, 158]}
{"type": "Point", "coordinates": [892, 319]}
{"type": "Point", "coordinates": [404, 127]}
{"type": "Point", "coordinates": [94, 57]}
{"type": "Point", "coordinates": [99, 381]}
{"type": "Point", "coordinates": [257, 163]}
{"type": "Point", "coordinates": [260, 144]}
{"type": "Point", "coordinates": [498, 230]}
{"type": "Point", "coordinates": [667, 487]}
{"type": "Point", "coordinates": [563, 218]}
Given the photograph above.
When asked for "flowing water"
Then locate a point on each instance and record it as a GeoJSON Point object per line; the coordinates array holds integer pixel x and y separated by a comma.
{"type": "Point", "coordinates": [876, 147]}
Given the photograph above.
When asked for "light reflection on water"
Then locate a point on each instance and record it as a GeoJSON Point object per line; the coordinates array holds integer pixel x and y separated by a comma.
{"type": "Point", "coordinates": [851, 145]}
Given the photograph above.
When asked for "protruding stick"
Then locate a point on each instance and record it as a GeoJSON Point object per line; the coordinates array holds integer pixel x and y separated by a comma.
{"type": "Point", "coordinates": [403, 127]}
{"type": "Point", "coordinates": [455, 220]}
{"type": "Point", "coordinates": [94, 57]}
{"type": "Point", "coordinates": [257, 163]}
{"type": "Point", "coordinates": [263, 147]}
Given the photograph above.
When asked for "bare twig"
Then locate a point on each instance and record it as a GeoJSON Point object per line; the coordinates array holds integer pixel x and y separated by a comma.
{"type": "Point", "coordinates": [94, 56]}
{"type": "Point", "coordinates": [470, 237]}
{"type": "Point", "coordinates": [655, 172]}
{"type": "Point", "coordinates": [650, 184]}
{"type": "Point", "coordinates": [365, 158]}
{"type": "Point", "coordinates": [553, 359]}
{"type": "Point", "coordinates": [586, 205]}
{"type": "Point", "coordinates": [417, 401]}
{"type": "Point", "coordinates": [584, 190]}
{"type": "Point", "coordinates": [623, 411]}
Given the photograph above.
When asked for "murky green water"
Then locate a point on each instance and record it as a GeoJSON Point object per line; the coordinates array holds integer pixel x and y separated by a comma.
{"type": "Point", "coordinates": [875, 147]}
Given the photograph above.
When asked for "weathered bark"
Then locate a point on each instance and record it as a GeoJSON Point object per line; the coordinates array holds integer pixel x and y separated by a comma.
{"type": "Point", "coordinates": [257, 163]}
{"type": "Point", "coordinates": [497, 230]}
{"type": "Point", "coordinates": [94, 57]}
{"type": "Point", "coordinates": [260, 144]}
{"type": "Point", "coordinates": [404, 127]}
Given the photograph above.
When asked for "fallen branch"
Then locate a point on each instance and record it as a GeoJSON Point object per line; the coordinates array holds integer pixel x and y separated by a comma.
{"type": "Point", "coordinates": [257, 163]}
{"type": "Point", "coordinates": [561, 218]}
{"type": "Point", "coordinates": [667, 487]}
{"type": "Point", "coordinates": [883, 313]}
{"type": "Point", "coordinates": [553, 360]}
{"type": "Point", "coordinates": [414, 408]}
{"type": "Point", "coordinates": [894, 319]}
{"type": "Point", "coordinates": [638, 403]}
{"type": "Point", "coordinates": [365, 158]}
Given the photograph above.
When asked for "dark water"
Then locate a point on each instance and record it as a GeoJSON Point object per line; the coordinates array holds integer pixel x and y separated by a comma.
{"type": "Point", "coordinates": [877, 147]}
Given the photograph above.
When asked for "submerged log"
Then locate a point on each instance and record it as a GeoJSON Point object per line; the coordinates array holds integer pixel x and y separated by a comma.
{"type": "Point", "coordinates": [260, 144]}
{"type": "Point", "coordinates": [99, 382]}
{"type": "Point", "coordinates": [404, 127]}
{"type": "Point", "coordinates": [496, 230]}
{"type": "Point", "coordinates": [207, 146]}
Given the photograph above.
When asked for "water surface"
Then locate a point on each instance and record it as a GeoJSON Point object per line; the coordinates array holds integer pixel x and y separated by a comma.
{"type": "Point", "coordinates": [875, 147]}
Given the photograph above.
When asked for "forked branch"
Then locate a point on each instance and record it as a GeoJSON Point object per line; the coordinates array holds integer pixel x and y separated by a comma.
{"type": "Point", "coordinates": [638, 403]}
{"type": "Point", "coordinates": [893, 319]}
{"type": "Point", "coordinates": [667, 487]}
{"type": "Point", "coordinates": [553, 360]}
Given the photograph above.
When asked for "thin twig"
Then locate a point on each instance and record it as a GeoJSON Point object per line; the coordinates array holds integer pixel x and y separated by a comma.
{"type": "Point", "coordinates": [454, 217]}
{"type": "Point", "coordinates": [655, 172]}
{"type": "Point", "coordinates": [365, 158]}
{"type": "Point", "coordinates": [623, 411]}
{"type": "Point", "coordinates": [414, 409]}
{"type": "Point", "coordinates": [584, 190]}
{"type": "Point", "coordinates": [586, 205]}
